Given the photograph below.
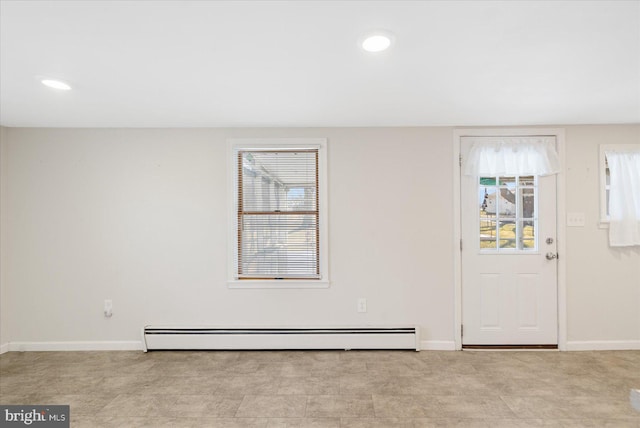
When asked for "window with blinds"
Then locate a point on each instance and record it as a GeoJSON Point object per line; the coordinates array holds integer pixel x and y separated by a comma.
{"type": "Point", "coordinates": [278, 214]}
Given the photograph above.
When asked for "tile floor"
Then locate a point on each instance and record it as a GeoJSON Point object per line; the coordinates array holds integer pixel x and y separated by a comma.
{"type": "Point", "coordinates": [328, 388]}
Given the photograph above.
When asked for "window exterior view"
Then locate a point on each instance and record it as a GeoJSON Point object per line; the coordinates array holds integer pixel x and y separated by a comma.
{"type": "Point", "coordinates": [278, 216]}
{"type": "Point", "coordinates": [508, 213]}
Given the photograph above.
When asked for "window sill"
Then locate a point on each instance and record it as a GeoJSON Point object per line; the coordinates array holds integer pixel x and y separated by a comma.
{"type": "Point", "coordinates": [603, 224]}
{"type": "Point", "coordinates": [237, 284]}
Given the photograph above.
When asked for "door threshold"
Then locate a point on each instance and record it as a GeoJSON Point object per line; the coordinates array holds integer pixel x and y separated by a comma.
{"type": "Point", "coordinates": [509, 347]}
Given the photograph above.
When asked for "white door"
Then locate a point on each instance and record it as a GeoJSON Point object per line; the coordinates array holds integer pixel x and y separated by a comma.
{"type": "Point", "coordinates": [509, 263]}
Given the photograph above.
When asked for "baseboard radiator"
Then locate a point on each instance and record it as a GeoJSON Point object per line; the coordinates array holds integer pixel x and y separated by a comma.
{"type": "Point", "coordinates": [204, 338]}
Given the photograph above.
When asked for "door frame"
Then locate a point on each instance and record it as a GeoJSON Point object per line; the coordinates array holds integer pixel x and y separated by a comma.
{"type": "Point", "coordinates": [559, 133]}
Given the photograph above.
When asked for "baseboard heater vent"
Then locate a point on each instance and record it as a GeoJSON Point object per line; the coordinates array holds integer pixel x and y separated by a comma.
{"type": "Point", "coordinates": [203, 338]}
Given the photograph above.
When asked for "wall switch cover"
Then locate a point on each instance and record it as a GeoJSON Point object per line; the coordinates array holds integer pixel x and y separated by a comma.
{"type": "Point", "coordinates": [575, 219]}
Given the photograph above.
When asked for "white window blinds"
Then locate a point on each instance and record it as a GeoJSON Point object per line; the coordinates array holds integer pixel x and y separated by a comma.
{"type": "Point", "coordinates": [624, 197]}
{"type": "Point", "coordinates": [511, 156]}
{"type": "Point", "coordinates": [278, 214]}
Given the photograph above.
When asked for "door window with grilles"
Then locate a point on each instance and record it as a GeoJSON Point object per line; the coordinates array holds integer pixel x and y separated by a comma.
{"type": "Point", "coordinates": [507, 209]}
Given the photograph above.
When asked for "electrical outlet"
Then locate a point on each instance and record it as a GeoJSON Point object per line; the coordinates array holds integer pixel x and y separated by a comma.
{"type": "Point", "coordinates": [108, 308]}
{"type": "Point", "coordinates": [362, 304]}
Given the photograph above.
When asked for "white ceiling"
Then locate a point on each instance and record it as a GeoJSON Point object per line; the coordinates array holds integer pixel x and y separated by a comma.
{"type": "Point", "coordinates": [297, 63]}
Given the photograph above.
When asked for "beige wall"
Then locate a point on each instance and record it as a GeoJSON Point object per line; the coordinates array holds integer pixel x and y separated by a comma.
{"type": "Point", "coordinates": [4, 301]}
{"type": "Point", "coordinates": [603, 291]}
{"type": "Point", "coordinates": [139, 216]}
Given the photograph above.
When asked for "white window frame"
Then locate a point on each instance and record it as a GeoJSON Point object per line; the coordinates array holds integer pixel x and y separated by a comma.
{"type": "Point", "coordinates": [604, 216]}
{"type": "Point", "coordinates": [233, 146]}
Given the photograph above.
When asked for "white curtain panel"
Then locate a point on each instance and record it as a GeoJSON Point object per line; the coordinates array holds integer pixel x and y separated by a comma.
{"type": "Point", "coordinates": [511, 156]}
{"type": "Point", "coordinates": [624, 197]}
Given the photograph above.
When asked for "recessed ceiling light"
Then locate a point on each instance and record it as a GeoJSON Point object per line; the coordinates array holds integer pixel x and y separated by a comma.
{"type": "Point", "coordinates": [56, 84]}
{"type": "Point", "coordinates": [376, 43]}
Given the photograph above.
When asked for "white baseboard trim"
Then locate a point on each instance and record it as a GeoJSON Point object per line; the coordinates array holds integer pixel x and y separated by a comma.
{"type": "Point", "coordinates": [425, 345]}
{"type": "Point", "coordinates": [603, 345]}
{"type": "Point", "coordinates": [437, 345]}
{"type": "Point", "coordinates": [133, 345]}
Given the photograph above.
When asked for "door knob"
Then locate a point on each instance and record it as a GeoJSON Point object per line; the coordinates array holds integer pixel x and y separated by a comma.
{"type": "Point", "coordinates": [551, 256]}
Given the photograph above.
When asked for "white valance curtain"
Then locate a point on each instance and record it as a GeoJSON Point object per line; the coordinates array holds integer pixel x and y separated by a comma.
{"type": "Point", "coordinates": [511, 156]}
{"type": "Point", "coordinates": [624, 197]}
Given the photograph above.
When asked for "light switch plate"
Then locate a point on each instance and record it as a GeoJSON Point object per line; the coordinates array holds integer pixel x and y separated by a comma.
{"type": "Point", "coordinates": [575, 219]}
